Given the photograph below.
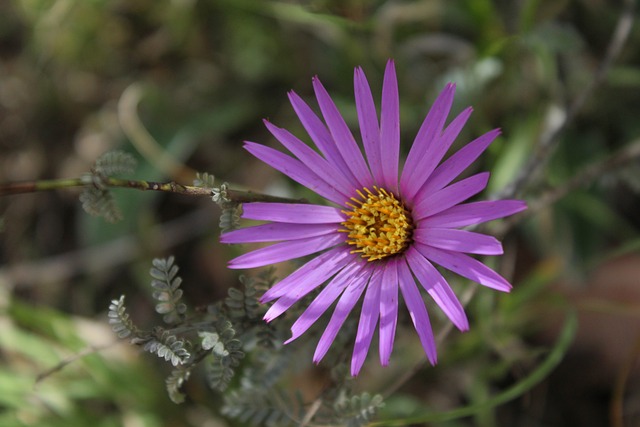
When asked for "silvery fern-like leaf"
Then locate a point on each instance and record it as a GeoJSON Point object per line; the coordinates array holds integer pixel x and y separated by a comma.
{"type": "Point", "coordinates": [115, 163]}
{"type": "Point", "coordinates": [204, 180]}
{"type": "Point", "coordinates": [357, 410]}
{"type": "Point", "coordinates": [119, 319]}
{"type": "Point", "coordinates": [230, 217]}
{"type": "Point", "coordinates": [100, 202]}
{"type": "Point", "coordinates": [175, 381]}
{"type": "Point", "coordinates": [245, 303]}
{"type": "Point", "coordinates": [262, 407]}
{"type": "Point", "coordinates": [211, 341]}
{"type": "Point", "coordinates": [168, 347]}
{"type": "Point", "coordinates": [225, 354]}
{"type": "Point", "coordinates": [167, 292]}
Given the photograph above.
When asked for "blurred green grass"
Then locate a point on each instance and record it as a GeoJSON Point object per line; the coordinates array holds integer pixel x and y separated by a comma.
{"type": "Point", "coordinates": [210, 71]}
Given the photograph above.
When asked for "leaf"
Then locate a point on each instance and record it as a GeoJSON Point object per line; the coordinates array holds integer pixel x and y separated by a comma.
{"type": "Point", "coordinates": [204, 180]}
{"type": "Point", "coordinates": [100, 202]}
{"type": "Point", "coordinates": [357, 410]}
{"type": "Point", "coordinates": [211, 341]}
{"type": "Point", "coordinates": [260, 406]}
{"type": "Point", "coordinates": [174, 383]}
{"type": "Point", "coordinates": [166, 346]}
{"type": "Point", "coordinates": [225, 355]}
{"type": "Point", "coordinates": [115, 163]}
{"type": "Point", "coordinates": [167, 292]}
{"type": "Point", "coordinates": [119, 319]}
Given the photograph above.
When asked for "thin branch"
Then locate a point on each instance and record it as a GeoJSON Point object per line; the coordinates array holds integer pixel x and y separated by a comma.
{"type": "Point", "coordinates": [56, 184]}
{"type": "Point", "coordinates": [628, 154]}
{"type": "Point", "coordinates": [313, 409]}
{"type": "Point", "coordinates": [549, 139]}
{"type": "Point", "coordinates": [69, 360]}
{"type": "Point", "coordinates": [236, 196]}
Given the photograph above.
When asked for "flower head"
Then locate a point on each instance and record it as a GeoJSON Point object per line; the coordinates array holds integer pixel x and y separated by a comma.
{"type": "Point", "coordinates": [388, 228]}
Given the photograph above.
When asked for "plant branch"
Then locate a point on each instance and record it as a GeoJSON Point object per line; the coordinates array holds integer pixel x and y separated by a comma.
{"type": "Point", "coordinates": [585, 177]}
{"type": "Point", "coordinates": [236, 196]}
{"type": "Point", "coordinates": [549, 139]}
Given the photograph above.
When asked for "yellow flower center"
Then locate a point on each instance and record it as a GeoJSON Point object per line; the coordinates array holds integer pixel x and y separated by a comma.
{"type": "Point", "coordinates": [379, 225]}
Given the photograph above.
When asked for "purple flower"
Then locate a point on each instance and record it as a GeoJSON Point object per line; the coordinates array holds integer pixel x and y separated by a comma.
{"type": "Point", "coordinates": [386, 233]}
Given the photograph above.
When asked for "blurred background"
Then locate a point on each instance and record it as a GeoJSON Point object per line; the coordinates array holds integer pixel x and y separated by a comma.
{"type": "Point", "coordinates": [194, 78]}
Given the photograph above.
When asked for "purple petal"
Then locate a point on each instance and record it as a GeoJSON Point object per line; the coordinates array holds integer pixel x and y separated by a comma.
{"type": "Point", "coordinates": [367, 324]}
{"type": "Point", "coordinates": [429, 133]}
{"type": "Point", "coordinates": [320, 136]}
{"type": "Point", "coordinates": [342, 136]}
{"type": "Point", "coordinates": [450, 196]}
{"type": "Point", "coordinates": [457, 163]}
{"type": "Point", "coordinates": [390, 128]}
{"type": "Point", "coordinates": [295, 170]}
{"type": "Point", "coordinates": [286, 251]}
{"type": "Point", "coordinates": [458, 240]}
{"type": "Point", "coordinates": [368, 120]}
{"type": "Point", "coordinates": [346, 303]}
{"type": "Point", "coordinates": [292, 213]}
{"type": "Point", "coordinates": [273, 232]}
{"type": "Point", "coordinates": [417, 311]}
{"type": "Point", "coordinates": [325, 298]}
{"type": "Point", "coordinates": [388, 309]}
{"type": "Point", "coordinates": [311, 274]}
{"type": "Point", "coordinates": [316, 163]}
{"type": "Point", "coordinates": [438, 288]}
{"type": "Point", "coordinates": [465, 266]}
{"type": "Point", "coordinates": [436, 153]}
{"type": "Point", "coordinates": [474, 213]}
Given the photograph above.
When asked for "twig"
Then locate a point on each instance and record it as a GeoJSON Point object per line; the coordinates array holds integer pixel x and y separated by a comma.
{"type": "Point", "coordinates": [236, 196]}
{"type": "Point", "coordinates": [549, 139]}
{"type": "Point", "coordinates": [63, 363]}
{"type": "Point", "coordinates": [56, 184]}
{"type": "Point", "coordinates": [590, 173]}
{"type": "Point", "coordinates": [313, 409]}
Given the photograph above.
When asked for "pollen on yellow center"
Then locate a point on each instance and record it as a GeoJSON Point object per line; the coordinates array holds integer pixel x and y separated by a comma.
{"type": "Point", "coordinates": [379, 225]}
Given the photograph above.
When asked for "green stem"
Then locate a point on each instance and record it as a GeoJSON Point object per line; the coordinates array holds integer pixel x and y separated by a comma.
{"type": "Point", "coordinates": [237, 196]}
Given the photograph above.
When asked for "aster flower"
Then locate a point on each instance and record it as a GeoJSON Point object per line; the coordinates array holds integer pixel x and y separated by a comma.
{"type": "Point", "coordinates": [387, 228]}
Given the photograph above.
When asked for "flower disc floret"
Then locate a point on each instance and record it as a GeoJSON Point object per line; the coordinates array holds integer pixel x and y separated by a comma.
{"type": "Point", "coordinates": [379, 224]}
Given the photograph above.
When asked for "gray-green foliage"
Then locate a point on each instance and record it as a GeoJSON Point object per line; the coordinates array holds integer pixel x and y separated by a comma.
{"type": "Point", "coordinates": [100, 202]}
{"type": "Point", "coordinates": [225, 354]}
{"type": "Point", "coordinates": [115, 163]}
{"type": "Point", "coordinates": [204, 180]}
{"type": "Point", "coordinates": [357, 410]}
{"type": "Point", "coordinates": [166, 345]}
{"type": "Point", "coordinates": [167, 290]}
{"type": "Point", "coordinates": [175, 381]}
{"type": "Point", "coordinates": [158, 341]}
{"type": "Point", "coordinates": [119, 319]}
{"type": "Point", "coordinates": [260, 406]}
{"type": "Point", "coordinates": [186, 340]}
{"type": "Point", "coordinates": [231, 211]}
{"type": "Point", "coordinates": [96, 199]}
{"type": "Point", "coordinates": [242, 355]}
